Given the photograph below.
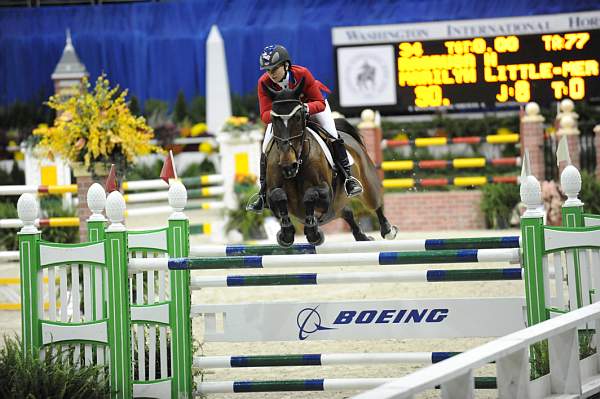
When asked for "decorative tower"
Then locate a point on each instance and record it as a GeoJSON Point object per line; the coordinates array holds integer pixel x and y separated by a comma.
{"type": "Point", "coordinates": [69, 71]}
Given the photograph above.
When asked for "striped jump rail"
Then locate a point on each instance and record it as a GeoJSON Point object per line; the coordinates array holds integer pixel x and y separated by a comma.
{"type": "Point", "coordinates": [207, 205]}
{"type": "Point", "coordinates": [50, 222]}
{"type": "Point", "coordinates": [325, 260]}
{"type": "Point", "coordinates": [466, 181]}
{"type": "Point", "coordinates": [360, 246]}
{"type": "Point", "coordinates": [458, 163]}
{"type": "Point", "coordinates": [203, 192]}
{"type": "Point", "coordinates": [203, 228]}
{"type": "Point", "coordinates": [316, 384]}
{"type": "Point", "coordinates": [9, 256]}
{"type": "Point", "coordinates": [415, 276]}
{"type": "Point", "coordinates": [199, 181]}
{"type": "Point", "coordinates": [435, 141]}
{"type": "Point", "coordinates": [320, 359]}
{"type": "Point", "coordinates": [9, 289]}
{"type": "Point", "coordinates": [31, 189]}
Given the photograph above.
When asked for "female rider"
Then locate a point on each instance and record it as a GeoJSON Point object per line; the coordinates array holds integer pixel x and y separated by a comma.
{"type": "Point", "coordinates": [281, 74]}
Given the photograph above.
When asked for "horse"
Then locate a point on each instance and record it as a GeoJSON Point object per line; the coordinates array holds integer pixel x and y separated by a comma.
{"type": "Point", "coordinates": [301, 182]}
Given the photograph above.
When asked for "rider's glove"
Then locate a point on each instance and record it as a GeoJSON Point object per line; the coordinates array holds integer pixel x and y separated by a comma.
{"type": "Point", "coordinates": [306, 110]}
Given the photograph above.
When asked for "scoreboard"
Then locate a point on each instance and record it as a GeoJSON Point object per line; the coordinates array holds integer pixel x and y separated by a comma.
{"type": "Point", "coordinates": [546, 63]}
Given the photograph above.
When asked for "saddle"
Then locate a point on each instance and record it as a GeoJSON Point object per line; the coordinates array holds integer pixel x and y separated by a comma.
{"type": "Point", "coordinates": [324, 140]}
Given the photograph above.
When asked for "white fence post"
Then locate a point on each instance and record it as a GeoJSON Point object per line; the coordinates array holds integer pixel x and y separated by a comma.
{"type": "Point", "coordinates": [461, 387]}
{"type": "Point", "coordinates": [512, 375]}
{"type": "Point", "coordinates": [565, 375]}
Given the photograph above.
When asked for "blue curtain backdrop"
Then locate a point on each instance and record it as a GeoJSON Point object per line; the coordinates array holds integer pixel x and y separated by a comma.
{"type": "Point", "coordinates": [157, 49]}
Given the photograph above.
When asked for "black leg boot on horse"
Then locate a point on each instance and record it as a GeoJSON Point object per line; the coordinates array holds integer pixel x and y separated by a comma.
{"type": "Point", "coordinates": [351, 184]}
{"type": "Point", "coordinates": [259, 202]}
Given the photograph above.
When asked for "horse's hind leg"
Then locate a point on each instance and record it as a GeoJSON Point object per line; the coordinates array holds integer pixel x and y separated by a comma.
{"type": "Point", "coordinates": [278, 202]}
{"type": "Point", "coordinates": [358, 234]}
{"type": "Point", "coordinates": [387, 230]}
{"type": "Point", "coordinates": [313, 233]}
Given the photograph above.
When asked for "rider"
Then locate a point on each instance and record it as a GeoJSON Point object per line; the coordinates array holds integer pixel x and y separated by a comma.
{"type": "Point", "coordinates": [281, 74]}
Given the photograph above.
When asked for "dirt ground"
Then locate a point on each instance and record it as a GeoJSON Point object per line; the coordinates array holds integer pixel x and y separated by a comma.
{"type": "Point", "coordinates": [10, 322]}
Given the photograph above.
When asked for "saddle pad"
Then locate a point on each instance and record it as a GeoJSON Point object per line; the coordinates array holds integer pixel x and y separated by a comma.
{"type": "Point", "coordinates": [326, 149]}
{"type": "Point", "coordinates": [328, 156]}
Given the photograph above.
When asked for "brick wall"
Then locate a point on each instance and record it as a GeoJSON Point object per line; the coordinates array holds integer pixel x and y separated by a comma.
{"type": "Point", "coordinates": [428, 211]}
{"type": "Point", "coordinates": [83, 212]}
{"type": "Point", "coordinates": [532, 139]}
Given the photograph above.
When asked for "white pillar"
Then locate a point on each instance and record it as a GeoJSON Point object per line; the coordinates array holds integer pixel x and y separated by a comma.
{"type": "Point", "coordinates": [240, 154]}
{"type": "Point", "coordinates": [218, 99]}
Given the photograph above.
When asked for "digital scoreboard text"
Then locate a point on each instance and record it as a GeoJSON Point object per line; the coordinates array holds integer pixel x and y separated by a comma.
{"type": "Point", "coordinates": [492, 72]}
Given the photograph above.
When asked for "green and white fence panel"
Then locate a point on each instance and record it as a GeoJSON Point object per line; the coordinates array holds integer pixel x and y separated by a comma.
{"type": "Point", "coordinates": [160, 314]}
{"type": "Point", "coordinates": [86, 284]}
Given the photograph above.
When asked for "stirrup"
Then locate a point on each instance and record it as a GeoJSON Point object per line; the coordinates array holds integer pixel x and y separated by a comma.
{"type": "Point", "coordinates": [354, 179]}
{"type": "Point", "coordinates": [256, 203]}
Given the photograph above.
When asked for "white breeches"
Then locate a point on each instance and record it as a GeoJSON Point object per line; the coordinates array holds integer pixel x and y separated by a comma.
{"type": "Point", "coordinates": [323, 118]}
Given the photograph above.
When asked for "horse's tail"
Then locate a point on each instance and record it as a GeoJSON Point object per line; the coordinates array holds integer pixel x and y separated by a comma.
{"type": "Point", "coordinates": [342, 125]}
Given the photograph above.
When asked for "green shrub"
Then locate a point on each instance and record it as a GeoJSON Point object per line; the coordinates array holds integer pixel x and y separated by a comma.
{"type": "Point", "coordinates": [16, 176]}
{"type": "Point", "coordinates": [497, 203]}
{"type": "Point", "coordinates": [52, 207]}
{"type": "Point", "coordinates": [249, 224]}
{"type": "Point", "coordinates": [180, 111]}
{"type": "Point", "coordinates": [590, 193]}
{"type": "Point", "coordinates": [156, 108]}
{"type": "Point", "coordinates": [8, 237]}
{"type": "Point", "coordinates": [206, 167]}
{"type": "Point", "coordinates": [197, 110]}
{"type": "Point", "coordinates": [26, 376]}
{"type": "Point", "coordinates": [143, 171]}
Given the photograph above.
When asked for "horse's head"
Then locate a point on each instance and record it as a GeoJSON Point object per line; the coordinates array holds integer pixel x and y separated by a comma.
{"type": "Point", "coordinates": [289, 119]}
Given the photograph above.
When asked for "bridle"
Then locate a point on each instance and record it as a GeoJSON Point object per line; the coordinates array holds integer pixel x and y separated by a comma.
{"type": "Point", "coordinates": [286, 118]}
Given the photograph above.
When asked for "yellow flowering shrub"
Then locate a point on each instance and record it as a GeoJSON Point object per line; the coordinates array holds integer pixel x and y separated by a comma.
{"type": "Point", "coordinates": [198, 129]}
{"type": "Point", "coordinates": [238, 124]}
{"type": "Point", "coordinates": [96, 126]}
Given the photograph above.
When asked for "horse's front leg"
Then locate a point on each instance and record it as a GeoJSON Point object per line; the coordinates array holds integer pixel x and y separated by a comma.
{"type": "Point", "coordinates": [312, 197]}
{"type": "Point", "coordinates": [278, 202]}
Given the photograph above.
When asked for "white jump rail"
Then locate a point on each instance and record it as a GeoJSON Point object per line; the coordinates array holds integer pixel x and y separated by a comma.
{"type": "Point", "coordinates": [568, 378]}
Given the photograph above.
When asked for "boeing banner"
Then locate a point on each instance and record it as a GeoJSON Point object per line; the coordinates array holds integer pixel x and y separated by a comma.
{"type": "Point", "coordinates": [366, 320]}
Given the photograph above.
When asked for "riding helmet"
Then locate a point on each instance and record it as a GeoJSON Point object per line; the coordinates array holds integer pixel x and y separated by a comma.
{"type": "Point", "coordinates": [273, 55]}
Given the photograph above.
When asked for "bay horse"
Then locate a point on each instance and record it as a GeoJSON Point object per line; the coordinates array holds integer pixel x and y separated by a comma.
{"type": "Point", "coordinates": [301, 182]}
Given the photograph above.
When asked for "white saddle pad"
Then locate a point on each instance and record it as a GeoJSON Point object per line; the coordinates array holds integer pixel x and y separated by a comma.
{"type": "Point", "coordinates": [323, 147]}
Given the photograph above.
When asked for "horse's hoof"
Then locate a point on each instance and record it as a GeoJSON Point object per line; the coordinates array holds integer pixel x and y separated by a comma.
{"type": "Point", "coordinates": [363, 237]}
{"type": "Point", "coordinates": [282, 242]}
{"type": "Point", "coordinates": [320, 238]}
{"type": "Point", "coordinates": [390, 235]}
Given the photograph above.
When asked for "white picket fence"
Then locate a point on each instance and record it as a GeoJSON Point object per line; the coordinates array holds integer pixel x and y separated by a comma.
{"type": "Point", "coordinates": [569, 377]}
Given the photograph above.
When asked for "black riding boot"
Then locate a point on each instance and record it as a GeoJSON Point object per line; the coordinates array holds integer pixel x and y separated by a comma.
{"type": "Point", "coordinates": [351, 184]}
{"type": "Point", "coordinates": [260, 200]}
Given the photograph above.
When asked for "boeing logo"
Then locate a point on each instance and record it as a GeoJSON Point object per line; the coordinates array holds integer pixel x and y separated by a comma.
{"type": "Point", "coordinates": [309, 320]}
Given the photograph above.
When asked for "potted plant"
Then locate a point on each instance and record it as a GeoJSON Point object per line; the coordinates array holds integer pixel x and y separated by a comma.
{"type": "Point", "coordinates": [93, 129]}
{"type": "Point", "coordinates": [249, 224]}
{"type": "Point", "coordinates": [497, 203]}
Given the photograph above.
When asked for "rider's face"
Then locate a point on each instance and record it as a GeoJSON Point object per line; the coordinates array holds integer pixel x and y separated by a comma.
{"type": "Point", "coordinates": [278, 73]}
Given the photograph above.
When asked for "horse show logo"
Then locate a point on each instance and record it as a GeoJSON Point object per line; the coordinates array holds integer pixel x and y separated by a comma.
{"type": "Point", "coordinates": [366, 75]}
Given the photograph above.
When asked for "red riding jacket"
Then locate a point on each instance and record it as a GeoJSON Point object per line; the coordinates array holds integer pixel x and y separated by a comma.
{"type": "Point", "coordinates": [311, 94]}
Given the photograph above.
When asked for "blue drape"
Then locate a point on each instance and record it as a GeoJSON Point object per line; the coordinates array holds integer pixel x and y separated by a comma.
{"type": "Point", "coordinates": [157, 49]}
